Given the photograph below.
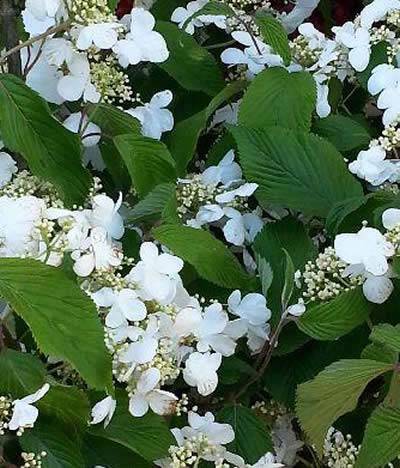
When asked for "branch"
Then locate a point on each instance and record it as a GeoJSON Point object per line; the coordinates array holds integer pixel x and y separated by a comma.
{"type": "Point", "coordinates": [55, 29]}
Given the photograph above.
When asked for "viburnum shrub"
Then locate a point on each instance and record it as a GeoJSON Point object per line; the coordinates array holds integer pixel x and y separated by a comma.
{"type": "Point", "coordinates": [199, 234]}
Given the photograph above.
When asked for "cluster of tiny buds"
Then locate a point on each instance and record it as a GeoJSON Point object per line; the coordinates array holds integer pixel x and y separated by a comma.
{"type": "Point", "coordinates": [393, 236]}
{"type": "Point", "coordinates": [181, 406]}
{"type": "Point", "coordinates": [112, 83]}
{"type": "Point", "coordinates": [33, 460]}
{"type": "Point", "coordinates": [393, 18]}
{"type": "Point", "coordinates": [90, 11]}
{"type": "Point", "coordinates": [323, 278]}
{"type": "Point", "coordinates": [5, 413]}
{"type": "Point", "coordinates": [271, 409]}
{"type": "Point", "coordinates": [248, 4]}
{"type": "Point", "coordinates": [390, 138]}
{"type": "Point", "coordinates": [339, 450]}
{"type": "Point", "coordinates": [303, 53]}
{"type": "Point", "coordinates": [381, 33]}
{"type": "Point", "coordinates": [193, 450]}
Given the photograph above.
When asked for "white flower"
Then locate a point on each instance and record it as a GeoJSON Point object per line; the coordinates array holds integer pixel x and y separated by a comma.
{"type": "Point", "coordinates": [391, 218]}
{"type": "Point", "coordinates": [8, 167]}
{"type": "Point", "coordinates": [42, 77]}
{"type": "Point", "coordinates": [377, 289]}
{"type": "Point", "coordinates": [216, 433]}
{"type": "Point", "coordinates": [207, 214]}
{"type": "Point", "coordinates": [145, 347]}
{"type": "Point", "coordinates": [373, 166]}
{"type": "Point", "coordinates": [103, 411]}
{"type": "Point", "coordinates": [100, 35]}
{"type": "Point", "coordinates": [58, 50]}
{"type": "Point", "coordinates": [154, 116]}
{"type": "Point", "coordinates": [267, 461]}
{"type": "Point", "coordinates": [147, 395]}
{"type": "Point", "coordinates": [24, 413]}
{"type": "Point", "coordinates": [389, 100]}
{"type": "Point", "coordinates": [92, 132]}
{"type": "Point", "coordinates": [96, 252]}
{"type": "Point", "coordinates": [297, 310]}
{"type": "Point", "coordinates": [256, 55]}
{"type": "Point", "coordinates": [201, 371]}
{"type": "Point", "coordinates": [18, 218]}
{"type": "Point", "coordinates": [225, 172]}
{"type": "Point", "coordinates": [156, 275]}
{"type": "Point", "coordinates": [105, 214]}
{"type": "Point", "coordinates": [40, 15]}
{"type": "Point", "coordinates": [80, 227]}
{"type": "Point", "coordinates": [241, 228]}
{"type": "Point", "coordinates": [124, 304]}
{"type": "Point", "coordinates": [382, 77]}
{"type": "Point", "coordinates": [141, 44]}
{"type": "Point", "coordinates": [302, 10]}
{"type": "Point", "coordinates": [245, 190]}
{"type": "Point", "coordinates": [376, 11]}
{"type": "Point", "coordinates": [181, 14]}
{"type": "Point", "coordinates": [368, 248]}
{"type": "Point", "coordinates": [77, 83]}
{"type": "Point", "coordinates": [254, 313]}
{"type": "Point", "coordinates": [358, 41]}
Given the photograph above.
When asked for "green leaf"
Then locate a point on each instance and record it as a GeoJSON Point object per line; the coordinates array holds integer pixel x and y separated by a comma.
{"type": "Point", "coordinates": [265, 273]}
{"type": "Point", "coordinates": [211, 259]}
{"type": "Point", "coordinates": [192, 66]}
{"type": "Point", "coordinates": [387, 335]}
{"type": "Point", "coordinates": [288, 234]}
{"type": "Point", "coordinates": [153, 205]}
{"type": "Point", "coordinates": [49, 436]}
{"type": "Point", "coordinates": [252, 439]}
{"type": "Point", "coordinates": [100, 452]}
{"type": "Point", "coordinates": [21, 373]}
{"type": "Point", "coordinates": [277, 97]}
{"type": "Point", "coordinates": [334, 392]}
{"type": "Point", "coordinates": [184, 137]}
{"type": "Point", "coordinates": [332, 319]}
{"type": "Point", "coordinates": [379, 352]}
{"type": "Point", "coordinates": [295, 170]}
{"type": "Point", "coordinates": [288, 286]}
{"type": "Point", "coordinates": [68, 405]}
{"type": "Point", "coordinates": [381, 443]}
{"type": "Point", "coordinates": [51, 151]}
{"type": "Point", "coordinates": [148, 161]}
{"type": "Point", "coordinates": [344, 133]}
{"type": "Point", "coordinates": [275, 35]}
{"type": "Point", "coordinates": [148, 436]}
{"type": "Point", "coordinates": [233, 370]}
{"type": "Point", "coordinates": [113, 121]}
{"type": "Point", "coordinates": [285, 373]}
{"type": "Point", "coordinates": [62, 318]}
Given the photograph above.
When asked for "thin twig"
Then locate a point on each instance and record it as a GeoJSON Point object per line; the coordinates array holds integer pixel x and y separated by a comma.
{"type": "Point", "coordinates": [55, 29]}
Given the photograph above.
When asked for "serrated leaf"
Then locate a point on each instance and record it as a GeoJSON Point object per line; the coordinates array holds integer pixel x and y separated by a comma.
{"type": "Point", "coordinates": [277, 97]}
{"type": "Point", "coordinates": [332, 319]}
{"type": "Point", "coordinates": [184, 137]}
{"type": "Point", "coordinates": [381, 443]}
{"type": "Point", "coordinates": [153, 205]}
{"type": "Point", "coordinates": [148, 161]}
{"type": "Point", "coordinates": [211, 259]}
{"type": "Point", "coordinates": [69, 405]}
{"type": "Point", "coordinates": [148, 436]}
{"type": "Point", "coordinates": [49, 436]}
{"type": "Point", "coordinates": [387, 335]}
{"type": "Point", "coordinates": [379, 352]}
{"type": "Point", "coordinates": [192, 66]}
{"type": "Point", "coordinates": [288, 234]}
{"type": "Point", "coordinates": [295, 170]}
{"type": "Point", "coordinates": [62, 318]}
{"type": "Point", "coordinates": [285, 373]}
{"type": "Point", "coordinates": [275, 35]}
{"type": "Point", "coordinates": [51, 151]}
{"type": "Point", "coordinates": [344, 133]}
{"type": "Point", "coordinates": [334, 392]}
{"type": "Point", "coordinates": [21, 373]}
{"type": "Point", "coordinates": [113, 121]}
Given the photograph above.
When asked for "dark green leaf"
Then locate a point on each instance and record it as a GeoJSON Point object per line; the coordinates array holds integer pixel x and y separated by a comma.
{"type": "Point", "coordinates": [212, 260]}
{"type": "Point", "coordinates": [387, 335]}
{"type": "Point", "coordinates": [332, 319]}
{"type": "Point", "coordinates": [277, 97]}
{"type": "Point", "coordinates": [51, 151]}
{"type": "Point", "coordinates": [148, 161]}
{"type": "Point", "coordinates": [296, 170]}
{"type": "Point", "coordinates": [275, 35]}
{"type": "Point", "coordinates": [62, 318]}
{"type": "Point", "coordinates": [252, 439]}
{"type": "Point", "coordinates": [153, 205]}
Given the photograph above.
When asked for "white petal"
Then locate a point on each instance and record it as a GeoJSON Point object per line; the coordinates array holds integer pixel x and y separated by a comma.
{"type": "Point", "coordinates": [391, 218]}
{"type": "Point", "coordinates": [162, 402]}
{"type": "Point", "coordinates": [138, 405]}
{"type": "Point", "coordinates": [148, 380]}
{"type": "Point", "coordinates": [377, 289]}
